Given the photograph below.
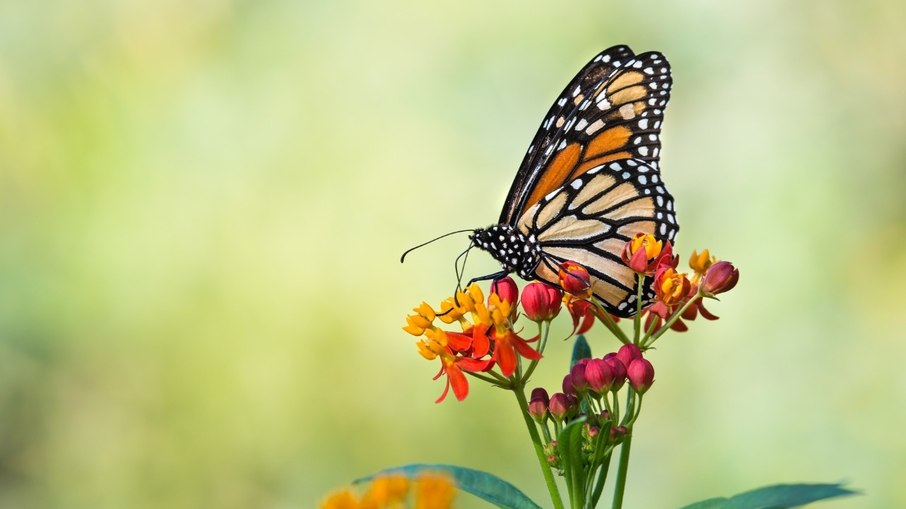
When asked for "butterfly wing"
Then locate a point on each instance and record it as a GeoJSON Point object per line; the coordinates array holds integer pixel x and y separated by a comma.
{"type": "Point", "coordinates": [613, 109]}
{"type": "Point", "coordinates": [590, 220]}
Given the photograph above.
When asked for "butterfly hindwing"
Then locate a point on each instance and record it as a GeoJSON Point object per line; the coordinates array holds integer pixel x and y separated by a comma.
{"type": "Point", "coordinates": [611, 111]}
{"type": "Point", "coordinates": [590, 219]}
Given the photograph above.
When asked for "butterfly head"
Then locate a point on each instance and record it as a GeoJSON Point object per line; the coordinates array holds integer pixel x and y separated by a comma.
{"type": "Point", "coordinates": [515, 251]}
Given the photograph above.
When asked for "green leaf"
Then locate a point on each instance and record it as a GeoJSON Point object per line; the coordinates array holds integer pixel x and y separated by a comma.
{"type": "Point", "coordinates": [581, 350]}
{"type": "Point", "coordinates": [778, 496]}
{"type": "Point", "coordinates": [481, 484]}
{"type": "Point", "coordinates": [569, 444]}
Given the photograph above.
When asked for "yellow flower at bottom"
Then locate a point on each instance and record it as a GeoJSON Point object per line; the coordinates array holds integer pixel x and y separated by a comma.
{"type": "Point", "coordinates": [344, 499]}
{"type": "Point", "coordinates": [434, 491]}
{"type": "Point", "coordinates": [387, 491]}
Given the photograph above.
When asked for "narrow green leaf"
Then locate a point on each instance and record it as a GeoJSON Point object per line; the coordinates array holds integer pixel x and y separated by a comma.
{"type": "Point", "coordinates": [782, 496]}
{"type": "Point", "coordinates": [483, 485]}
{"type": "Point", "coordinates": [581, 350]}
{"type": "Point", "coordinates": [779, 496]}
{"type": "Point", "coordinates": [711, 503]}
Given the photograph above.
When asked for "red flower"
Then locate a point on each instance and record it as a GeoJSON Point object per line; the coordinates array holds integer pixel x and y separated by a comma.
{"type": "Point", "coordinates": [641, 375]}
{"type": "Point", "coordinates": [506, 289]}
{"type": "Point", "coordinates": [721, 277]}
{"type": "Point", "coordinates": [599, 376]}
{"type": "Point", "coordinates": [506, 345]}
{"type": "Point", "coordinates": [541, 301]}
{"type": "Point", "coordinates": [453, 367]}
{"type": "Point", "coordinates": [583, 314]}
{"type": "Point", "coordinates": [574, 279]}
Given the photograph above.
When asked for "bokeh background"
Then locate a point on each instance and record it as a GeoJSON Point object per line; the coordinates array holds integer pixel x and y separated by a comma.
{"type": "Point", "coordinates": [203, 205]}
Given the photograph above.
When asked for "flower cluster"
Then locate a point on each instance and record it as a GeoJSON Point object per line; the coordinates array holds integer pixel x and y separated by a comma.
{"type": "Point", "coordinates": [488, 345]}
{"type": "Point", "coordinates": [487, 337]}
{"type": "Point", "coordinates": [589, 395]}
{"type": "Point", "coordinates": [678, 296]}
{"type": "Point", "coordinates": [427, 491]}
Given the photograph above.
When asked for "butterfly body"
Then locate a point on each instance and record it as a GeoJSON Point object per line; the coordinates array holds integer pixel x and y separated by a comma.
{"type": "Point", "coordinates": [590, 180]}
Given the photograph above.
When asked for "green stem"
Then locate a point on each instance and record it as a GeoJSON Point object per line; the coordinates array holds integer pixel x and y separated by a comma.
{"type": "Point", "coordinates": [533, 364]}
{"type": "Point", "coordinates": [637, 320]}
{"type": "Point", "coordinates": [539, 448]}
{"type": "Point", "coordinates": [493, 381]}
{"type": "Point", "coordinates": [604, 316]}
{"type": "Point", "coordinates": [673, 318]}
{"type": "Point", "coordinates": [621, 473]}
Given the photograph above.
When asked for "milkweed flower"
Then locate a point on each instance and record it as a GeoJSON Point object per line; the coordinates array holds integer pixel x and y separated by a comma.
{"type": "Point", "coordinates": [487, 329]}
{"type": "Point", "coordinates": [720, 277]}
{"type": "Point", "coordinates": [641, 375]}
{"type": "Point", "coordinates": [537, 407]}
{"type": "Point", "coordinates": [599, 376]}
{"type": "Point", "coordinates": [671, 287]}
{"type": "Point", "coordinates": [506, 289]}
{"type": "Point", "coordinates": [434, 491]}
{"type": "Point", "coordinates": [643, 253]}
{"type": "Point", "coordinates": [574, 279]}
{"type": "Point", "coordinates": [699, 263]}
{"type": "Point", "coordinates": [582, 312]}
{"type": "Point", "coordinates": [541, 302]}
{"type": "Point", "coordinates": [427, 491]}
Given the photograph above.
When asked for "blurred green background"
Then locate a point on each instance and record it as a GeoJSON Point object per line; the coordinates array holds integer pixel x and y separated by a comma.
{"type": "Point", "coordinates": [203, 205]}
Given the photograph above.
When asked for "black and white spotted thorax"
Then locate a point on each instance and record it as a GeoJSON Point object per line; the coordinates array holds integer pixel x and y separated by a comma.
{"type": "Point", "coordinates": [515, 251]}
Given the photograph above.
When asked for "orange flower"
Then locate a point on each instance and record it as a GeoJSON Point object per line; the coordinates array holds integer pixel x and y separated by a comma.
{"type": "Point", "coordinates": [642, 253]}
{"type": "Point", "coordinates": [672, 287]}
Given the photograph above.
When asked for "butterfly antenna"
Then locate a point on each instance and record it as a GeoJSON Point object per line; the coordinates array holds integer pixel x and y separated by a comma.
{"type": "Point", "coordinates": [464, 256]}
{"type": "Point", "coordinates": [403, 257]}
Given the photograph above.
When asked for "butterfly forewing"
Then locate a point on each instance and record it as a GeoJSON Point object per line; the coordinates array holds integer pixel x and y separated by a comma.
{"type": "Point", "coordinates": [612, 110]}
{"type": "Point", "coordinates": [541, 147]}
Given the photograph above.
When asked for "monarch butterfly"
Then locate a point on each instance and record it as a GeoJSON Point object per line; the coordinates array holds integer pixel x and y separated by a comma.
{"type": "Point", "coordinates": [590, 179]}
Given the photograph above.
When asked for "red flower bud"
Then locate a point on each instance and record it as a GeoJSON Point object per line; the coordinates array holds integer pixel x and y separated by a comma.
{"type": "Point", "coordinates": [618, 432]}
{"type": "Point", "coordinates": [598, 375]}
{"type": "Point", "coordinates": [541, 301]}
{"type": "Point", "coordinates": [618, 369]}
{"type": "Point", "coordinates": [538, 404]}
{"type": "Point", "coordinates": [506, 289]}
{"type": "Point", "coordinates": [574, 279]}
{"type": "Point", "coordinates": [628, 353]}
{"type": "Point", "coordinates": [721, 277]}
{"type": "Point", "coordinates": [559, 406]}
{"type": "Point", "coordinates": [641, 375]}
{"type": "Point", "coordinates": [577, 376]}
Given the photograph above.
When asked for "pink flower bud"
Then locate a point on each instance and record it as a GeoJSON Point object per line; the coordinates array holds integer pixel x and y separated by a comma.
{"type": "Point", "coordinates": [577, 374]}
{"type": "Point", "coordinates": [641, 375]}
{"type": "Point", "coordinates": [590, 431]}
{"type": "Point", "coordinates": [598, 375]}
{"type": "Point", "coordinates": [506, 289]}
{"type": "Point", "coordinates": [541, 301]}
{"type": "Point", "coordinates": [618, 369]}
{"type": "Point", "coordinates": [618, 432]}
{"type": "Point", "coordinates": [574, 279]}
{"type": "Point", "coordinates": [721, 277]}
{"type": "Point", "coordinates": [628, 353]}
{"type": "Point", "coordinates": [567, 385]}
{"type": "Point", "coordinates": [559, 406]}
{"type": "Point", "coordinates": [538, 404]}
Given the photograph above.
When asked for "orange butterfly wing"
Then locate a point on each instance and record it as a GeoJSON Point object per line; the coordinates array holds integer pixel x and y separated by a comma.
{"type": "Point", "coordinates": [613, 109]}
